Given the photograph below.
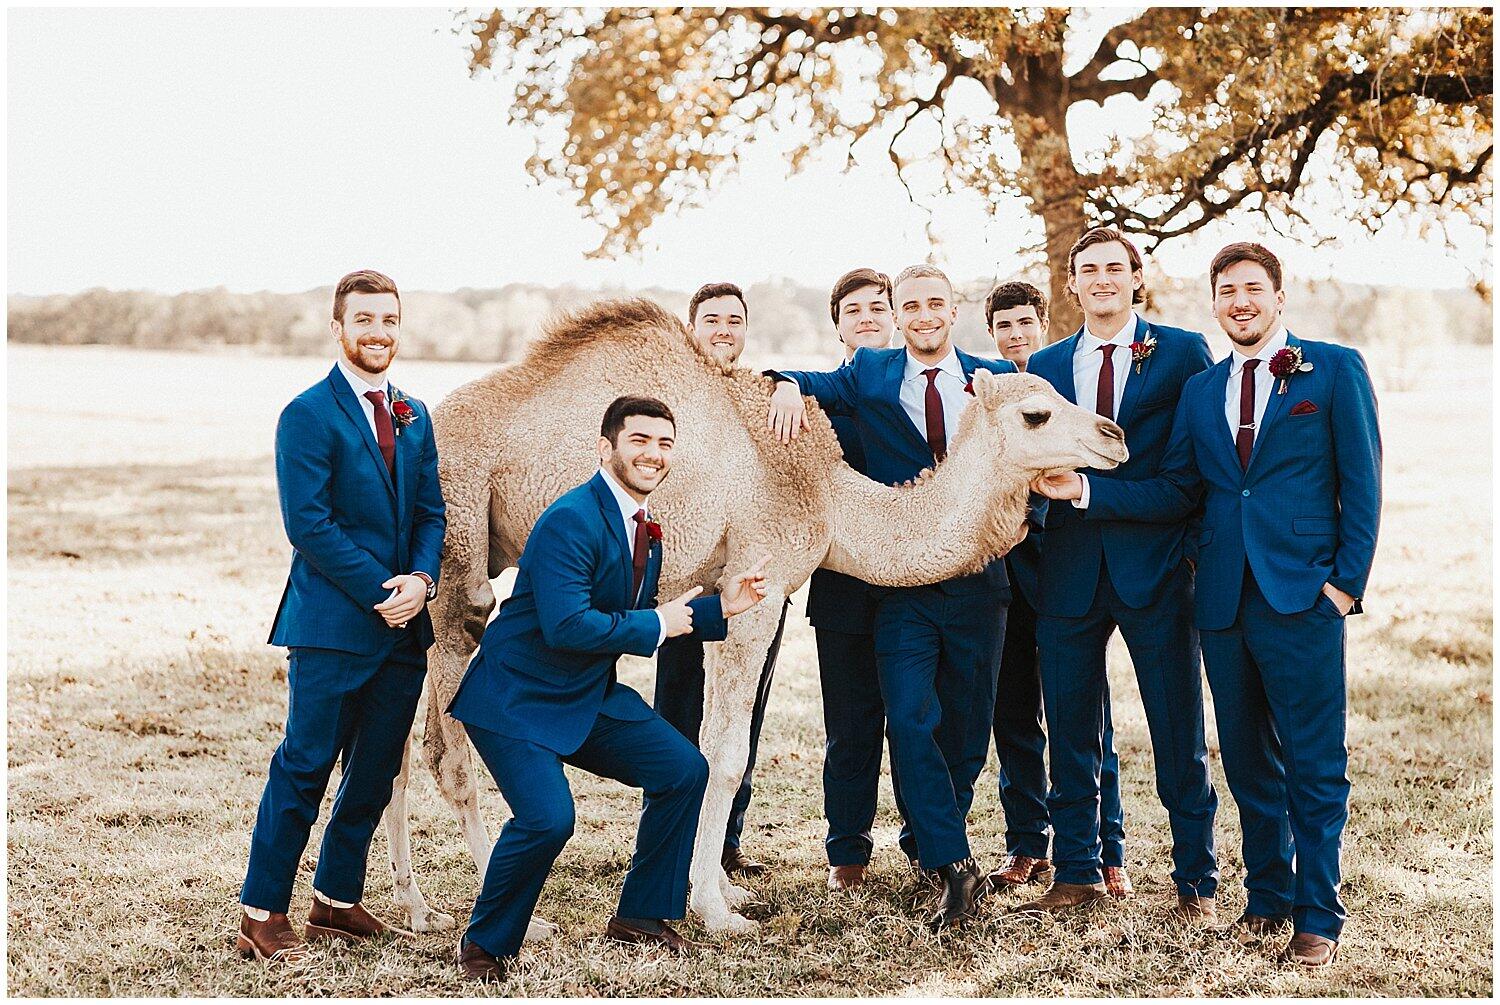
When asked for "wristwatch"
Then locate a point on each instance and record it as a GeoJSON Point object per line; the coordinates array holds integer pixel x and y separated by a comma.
{"type": "Point", "coordinates": [431, 586]}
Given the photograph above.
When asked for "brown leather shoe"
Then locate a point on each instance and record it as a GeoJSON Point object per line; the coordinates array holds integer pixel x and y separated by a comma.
{"type": "Point", "coordinates": [349, 924]}
{"type": "Point", "coordinates": [737, 863]}
{"type": "Point", "coordinates": [1195, 910]}
{"type": "Point", "coordinates": [271, 941]}
{"type": "Point", "coordinates": [1117, 882]}
{"type": "Point", "coordinates": [1249, 928]}
{"type": "Point", "coordinates": [1064, 897]}
{"type": "Point", "coordinates": [665, 936]}
{"type": "Point", "coordinates": [1018, 870]}
{"type": "Point", "coordinates": [1308, 950]}
{"type": "Point", "coordinates": [478, 965]}
{"type": "Point", "coordinates": [846, 877]}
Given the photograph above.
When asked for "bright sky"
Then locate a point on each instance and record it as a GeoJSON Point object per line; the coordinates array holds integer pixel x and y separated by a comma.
{"type": "Point", "coordinates": [280, 148]}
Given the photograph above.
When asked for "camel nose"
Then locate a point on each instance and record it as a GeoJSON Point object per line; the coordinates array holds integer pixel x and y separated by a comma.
{"type": "Point", "coordinates": [1111, 430]}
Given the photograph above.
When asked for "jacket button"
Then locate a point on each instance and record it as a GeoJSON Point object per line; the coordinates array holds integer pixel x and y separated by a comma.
{"type": "Point", "coordinates": [1245, 493]}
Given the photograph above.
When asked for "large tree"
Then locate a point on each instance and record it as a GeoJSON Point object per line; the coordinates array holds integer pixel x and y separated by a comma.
{"type": "Point", "coordinates": [1369, 114]}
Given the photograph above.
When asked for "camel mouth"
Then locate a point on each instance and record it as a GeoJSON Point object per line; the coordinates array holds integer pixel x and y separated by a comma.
{"type": "Point", "coordinates": [1104, 462]}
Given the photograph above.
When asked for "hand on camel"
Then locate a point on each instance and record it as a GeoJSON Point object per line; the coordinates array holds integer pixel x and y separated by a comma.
{"type": "Point", "coordinates": [1066, 485]}
{"type": "Point", "coordinates": [788, 415]}
{"type": "Point", "coordinates": [405, 603]}
{"type": "Point", "coordinates": [746, 590]}
{"type": "Point", "coordinates": [677, 615]}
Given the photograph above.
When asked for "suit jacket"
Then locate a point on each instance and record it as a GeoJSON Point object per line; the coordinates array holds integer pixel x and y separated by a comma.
{"type": "Point", "coordinates": [1307, 509]}
{"type": "Point", "coordinates": [1139, 556]}
{"type": "Point", "coordinates": [836, 601]}
{"type": "Point", "coordinates": [352, 526]}
{"type": "Point", "coordinates": [868, 390]}
{"type": "Point", "coordinates": [545, 669]}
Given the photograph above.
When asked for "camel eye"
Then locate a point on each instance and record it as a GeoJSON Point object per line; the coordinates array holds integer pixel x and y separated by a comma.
{"type": "Point", "coordinates": [1035, 420]}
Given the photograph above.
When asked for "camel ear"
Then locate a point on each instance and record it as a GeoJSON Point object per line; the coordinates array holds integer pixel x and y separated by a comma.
{"type": "Point", "coordinates": [985, 389]}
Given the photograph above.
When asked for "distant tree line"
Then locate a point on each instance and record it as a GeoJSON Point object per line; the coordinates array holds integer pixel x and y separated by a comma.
{"type": "Point", "coordinates": [495, 325]}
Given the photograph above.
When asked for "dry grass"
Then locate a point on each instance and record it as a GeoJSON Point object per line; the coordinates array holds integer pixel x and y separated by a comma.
{"type": "Point", "coordinates": [143, 709]}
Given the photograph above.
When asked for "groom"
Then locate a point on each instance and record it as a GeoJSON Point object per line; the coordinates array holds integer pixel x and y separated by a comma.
{"type": "Point", "coordinates": [356, 469]}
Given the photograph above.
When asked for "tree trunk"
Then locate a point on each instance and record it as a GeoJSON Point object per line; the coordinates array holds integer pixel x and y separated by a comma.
{"type": "Point", "coordinates": [1064, 223]}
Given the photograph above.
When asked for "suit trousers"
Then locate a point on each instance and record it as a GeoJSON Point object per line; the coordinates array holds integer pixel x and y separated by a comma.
{"type": "Point", "coordinates": [937, 655]}
{"type": "Point", "coordinates": [340, 707]}
{"type": "Point", "coordinates": [1278, 682]}
{"type": "Point", "coordinates": [1021, 746]}
{"type": "Point", "coordinates": [679, 700]}
{"type": "Point", "coordinates": [854, 722]}
{"type": "Point", "coordinates": [1164, 649]}
{"type": "Point", "coordinates": [647, 754]}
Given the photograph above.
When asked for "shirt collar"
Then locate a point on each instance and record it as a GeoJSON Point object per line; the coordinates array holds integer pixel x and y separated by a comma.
{"type": "Point", "coordinates": [1089, 342]}
{"type": "Point", "coordinates": [949, 364]}
{"type": "Point", "coordinates": [360, 386]}
{"type": "Point", "coordinates": [1271, 348]}
{"type": "Point", "coordinates": [628, 506]}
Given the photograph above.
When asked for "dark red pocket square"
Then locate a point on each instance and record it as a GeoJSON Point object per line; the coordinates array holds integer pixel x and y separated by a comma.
{"type": "Point", "coordinates": [1304, 408]}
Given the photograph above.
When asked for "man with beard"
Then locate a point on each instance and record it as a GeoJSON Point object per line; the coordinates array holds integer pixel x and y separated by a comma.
{"type": "Point", "coordinates": [542, 692]}
{"type": "Point", "coordinates": [1281, 441]}
{"type": "Point", "coordinates": [719, 320]}
{"type": "Point", "coordinates": [937, 647]}
{"type": "Point", "coordinates": [357, 473]}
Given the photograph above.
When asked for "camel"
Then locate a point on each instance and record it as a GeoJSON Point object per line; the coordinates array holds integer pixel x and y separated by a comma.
{"type": "Point", "coordinates": [513, 441]}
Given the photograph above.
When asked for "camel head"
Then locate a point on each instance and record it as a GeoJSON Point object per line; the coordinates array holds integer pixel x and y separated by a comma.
{"type": "Point", "coordinates": [1041, 430]}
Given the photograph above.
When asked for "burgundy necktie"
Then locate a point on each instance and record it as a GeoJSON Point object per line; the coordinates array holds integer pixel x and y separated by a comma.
{"type": "Point", "coordinates": [937, 432]}
{"type": "Point", "coordinates": [1104, 400]}
{"type": "Point", "coordinates": [638, 555]}
{"type": "Point", "coordinates": [1244, 437]}
{"type": "Point", "coordinates": [385, 433]}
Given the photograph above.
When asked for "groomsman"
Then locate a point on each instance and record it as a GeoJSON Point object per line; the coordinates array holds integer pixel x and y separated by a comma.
{"type": "Point", "coordinates": [937, 647]}
{"type": "Point", "coordinates": [720, 320]}
{"type": "Point", "coordinates": [542, 692]}
{"type": "Point", "coordinates": [357, 475]}
{"type": "Point", "coordinates": [1281, 440]}
{"type": "Point", "coordinates": [1016, 315]}
{"type": "Point", "coordinates": [1099, 574]}
{"type": "Point", "coordinates": [842, 612]}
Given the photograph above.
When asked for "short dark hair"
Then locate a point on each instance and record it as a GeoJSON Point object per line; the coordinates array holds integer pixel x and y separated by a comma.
{"type": "Point", "coordinates": [1244, 251]}
{"type": "Point", "coordinates": [363, 281]}
{"type": "Point", "coordinates": [858, 279]}
{"type": "Point", "coordinates": [627, 405]}
{"type": "Point", "coordinates": [710, 290]}
{"type": "Point", "coordinates": [1108, 235]}
{"type": "Point", "coordinates": [1014, 294]}
{"type": "Point", "coordinates": [923, 271]}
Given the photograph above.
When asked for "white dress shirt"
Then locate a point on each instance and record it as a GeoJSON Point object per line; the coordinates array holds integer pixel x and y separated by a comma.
{"type": "Point", "coordinates": [1263, 381]}
{"type": "Point", "coordinates": [628, 509]}
{"type": "Point", "coordinates": [1087, 362]}
{"type": "Point", "coordinates": [361, 387]}
{"type": "Point", "coordinates": [950, 385]}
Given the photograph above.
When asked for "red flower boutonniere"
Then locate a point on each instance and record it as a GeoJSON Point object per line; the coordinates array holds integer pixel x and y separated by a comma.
{"type": "Point", "coordinates": [653, 531]}
{"type": "Point", "coordinates": [1141, 351]}
{"type": "Point", "coordinates": [969, 387]}
{"type": "Point", "coordinates": [1286, 362]}
{"type": "Point", "coordinates": [401, 410]}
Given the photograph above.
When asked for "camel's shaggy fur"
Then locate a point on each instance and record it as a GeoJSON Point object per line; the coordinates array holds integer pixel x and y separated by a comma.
{"type": "Point", "coordinates": [513, 441]}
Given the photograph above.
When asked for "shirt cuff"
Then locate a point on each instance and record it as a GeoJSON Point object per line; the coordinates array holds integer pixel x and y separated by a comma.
{"type": "Point", "coordinates": [1082, 502]}
{"type": "Point", "coordinates": [661, 635]}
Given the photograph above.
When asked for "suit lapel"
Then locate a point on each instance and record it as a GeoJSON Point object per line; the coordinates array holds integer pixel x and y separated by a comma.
{"type": "Point", "coordinates": [609, 510]}
{"type": "Point", "coordinates": [1275, 407]}
{"type": "Point", "coordinates": [1064, 364]}
{"type": "Point", "coordinates": [1217, 389]}
{"type": "Point", "coordinates": [653, 573]}
{"type": "Point", "coordinates": [1134, 382]}
{"type": "Point", "coordinates": [895, 374]}
{"type": "Point", "coordinates": [404, 452]}
{"type": "Point", "coordinates": [344, 395]}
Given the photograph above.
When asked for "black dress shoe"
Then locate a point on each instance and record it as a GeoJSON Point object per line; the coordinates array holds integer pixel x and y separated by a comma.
{"type": "Point", "coordinates": [737, 863]}
{"type": "Point", "coordinates": [963, 885]}
{"type": "Point", "coordinates": [479, 965]}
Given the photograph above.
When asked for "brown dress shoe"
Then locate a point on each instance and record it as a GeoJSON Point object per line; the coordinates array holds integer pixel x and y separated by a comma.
{"type": "Point", "coordinates": [1250, 928]}
{"type": "Point", "coordinates": [662, 934]}
{"type": "Point", "coordinates": [846, 877]}
{"type": "Point", "coordinates": [1194, 910]}
{"type": "Point", "coordinates": [1064, 897]}
{"type": "Point", "coordinates": [1018, 870]}
{"type": "Point", "coordinates": [1308, 950]}
{"type": "Point", "coordinates": [478, 965]}
{"type": "Point", "coordinates": [1117, 882]}
{"type": "Point", "coordinates": [737, 863]}
{"type": "Point", "coordinates": [349, 924]}
{"type": "Point", "coordinates": [272, 941]}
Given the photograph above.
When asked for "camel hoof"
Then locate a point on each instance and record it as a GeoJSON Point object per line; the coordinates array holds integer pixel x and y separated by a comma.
{"type": "Point", "coordinates": [737, 896]}
{"type": "Point", "coordinates": [540, 930]}
{"type": "Point", "coordinates": [432, 921]}
{"type": "Point", "coordinates": [733, 924]}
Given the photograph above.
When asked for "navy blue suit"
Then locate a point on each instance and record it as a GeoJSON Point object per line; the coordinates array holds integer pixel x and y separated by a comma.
{"type": "Point", "coordinates": [352, 681]}
{"type": "Point", "coordinates": [1098, 574]}
{"type": "Point", "coordinates": [937, 647]}
{"type": "Point", "coordinates": [542, 691]}
{"type": "Point", "coordinates": [1305, 512]}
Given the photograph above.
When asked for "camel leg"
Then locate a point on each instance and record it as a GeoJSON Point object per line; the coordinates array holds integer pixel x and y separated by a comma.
{"type": "Point", "coordinates": [731, 681]}
{"type": "Point", "coordinates": [404, 889]}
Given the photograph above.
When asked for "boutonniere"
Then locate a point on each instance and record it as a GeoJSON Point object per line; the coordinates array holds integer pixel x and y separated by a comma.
{"type": "Point", "coordinates": [1286, 362]}
{"type": "Point", "coordinates": [1142, 350]}
{"type": "Point", "coordinates": [401, 410]}
{"type": "Point", "coordinates": [969, 387]}
{"type": "Point", "coordinates": [653, 531]}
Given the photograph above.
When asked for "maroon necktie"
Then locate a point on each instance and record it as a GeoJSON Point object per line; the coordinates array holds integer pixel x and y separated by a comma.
{"type": "Point", "coordinates": [1104, 400]}
{"type": "Point", "coordinates": [937, 432]}
{"type": "Point", "coordinates": [1244, 437]}
{"type": "Point", "coordinates": [638, 555]}
{"type": "Point", "coordinates": [385, 433]}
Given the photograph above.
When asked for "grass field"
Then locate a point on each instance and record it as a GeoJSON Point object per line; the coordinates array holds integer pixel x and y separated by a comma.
{"type": "Point", "coordinates": [145, 560]}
